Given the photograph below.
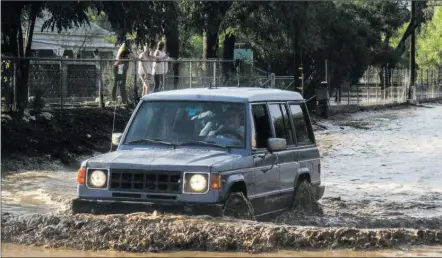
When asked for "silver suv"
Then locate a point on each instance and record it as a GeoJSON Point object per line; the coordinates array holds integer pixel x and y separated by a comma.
{"type": "Point", "coordinates": [230, 151]}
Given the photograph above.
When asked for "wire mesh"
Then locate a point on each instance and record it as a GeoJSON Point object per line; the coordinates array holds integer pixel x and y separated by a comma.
{"type": "Point", "coordinates": [65, 82]}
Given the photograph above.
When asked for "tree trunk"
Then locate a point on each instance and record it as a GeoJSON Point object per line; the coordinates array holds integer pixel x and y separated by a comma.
{"type": "Point", "coordinates": [228, 51]}
{"type": "Point", "coordinates": [173, 47]}
{"type": "Point", "coordinates": [173, 42]}
{"type": "Point", "coordinates": [210, 49]}
{"type": "Point", "coordinates": [210, 45]}
{"type": "Point", "coordinates": [22, 51]}
{"type": "Point", "coordinates": [31, 25]}
{"type": "Point", "coordinates": [20, 87]}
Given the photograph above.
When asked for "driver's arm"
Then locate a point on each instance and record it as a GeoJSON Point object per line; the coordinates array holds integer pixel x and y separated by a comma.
{"type": "Point", "coordinates": [214, 132]}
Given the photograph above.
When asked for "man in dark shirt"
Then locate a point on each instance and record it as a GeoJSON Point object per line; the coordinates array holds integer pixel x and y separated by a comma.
{"type": "Point", "coordinates": [120, 72]}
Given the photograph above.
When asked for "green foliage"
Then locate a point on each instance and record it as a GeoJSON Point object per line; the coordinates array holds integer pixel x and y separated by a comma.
{"type": "Point", "coordinates": [192, 47]}
{"type": "Point", "coordinates": [429, 42]}
{"type": "Point", "coordinates": [65, 15]}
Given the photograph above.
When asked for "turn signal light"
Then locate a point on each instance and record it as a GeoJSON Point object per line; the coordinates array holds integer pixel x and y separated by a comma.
{"type": "Point", "coordinates": [215, 182]}
{"type": "Point", "coordinates": [81, 176]}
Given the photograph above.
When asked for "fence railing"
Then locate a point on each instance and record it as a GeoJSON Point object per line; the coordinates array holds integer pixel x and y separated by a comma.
{"type": "Point", "coordinates": [380, 86]}
{"type": "Point", "coordinates": [82, 81]}
{"type": "Point", "coordinates": [65, 82]}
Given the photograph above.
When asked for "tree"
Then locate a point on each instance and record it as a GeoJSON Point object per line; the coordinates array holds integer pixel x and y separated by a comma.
{"type": "Point", "coordinates": [140, 19]}
{"type": "Point", "coordinates": [205, 17]}
{"type": "Point", "coordinates": [18, 22]}
{"type": "Point", "coordinates": [429, 42]}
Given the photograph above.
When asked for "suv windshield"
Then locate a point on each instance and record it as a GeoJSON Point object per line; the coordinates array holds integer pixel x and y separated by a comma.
{"type": "Point", "coordinates": [195, 123]}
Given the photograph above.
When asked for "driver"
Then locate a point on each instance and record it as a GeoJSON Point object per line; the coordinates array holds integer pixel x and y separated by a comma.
{"type": "Point", "coordinates": [232, 121]}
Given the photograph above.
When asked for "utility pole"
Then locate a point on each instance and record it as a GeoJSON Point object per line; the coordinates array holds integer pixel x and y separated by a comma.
{"type": "Point", "coordinates": [412, 50]}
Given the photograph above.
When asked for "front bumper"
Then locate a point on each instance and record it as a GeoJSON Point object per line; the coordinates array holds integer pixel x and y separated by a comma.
{"type": "Point", "coordinates": [124, 207]}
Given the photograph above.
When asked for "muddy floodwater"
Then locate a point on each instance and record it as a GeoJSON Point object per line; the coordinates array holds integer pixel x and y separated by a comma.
{"type": "Point", "coordinates": [12, 250]}
{"type": "Point", "coordinates": [381, 171]}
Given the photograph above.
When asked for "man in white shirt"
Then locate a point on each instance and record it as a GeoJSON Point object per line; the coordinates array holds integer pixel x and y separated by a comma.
{"type": "Point", "coordinates": [160, 67]}
{"type": "Point", "coordinates": [145, 69]}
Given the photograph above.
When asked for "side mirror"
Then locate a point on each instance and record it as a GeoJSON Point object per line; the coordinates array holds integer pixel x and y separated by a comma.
{"type": "Point", "coordinates": [276, 144]}
{"type": "Point", "coordinates": [116, 137]}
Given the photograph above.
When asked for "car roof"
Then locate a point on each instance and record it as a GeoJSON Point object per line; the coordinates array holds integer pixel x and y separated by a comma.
{"type": "Point", "coordinates": [228, 94]}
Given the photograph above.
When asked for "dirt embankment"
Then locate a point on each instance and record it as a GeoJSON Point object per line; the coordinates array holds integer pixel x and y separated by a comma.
{"type": "Point", "coordinates": [57, 136]}
{"type": "Point", "coordinates": [150, 232]}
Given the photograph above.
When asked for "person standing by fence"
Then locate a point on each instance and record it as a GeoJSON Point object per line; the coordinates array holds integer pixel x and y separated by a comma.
{"type": "Point", "coordinates": [120, 72]}
{"type": "Point", "coordinates": [160, 67]}
{"type": "Point", "coordinates": [145, 68]}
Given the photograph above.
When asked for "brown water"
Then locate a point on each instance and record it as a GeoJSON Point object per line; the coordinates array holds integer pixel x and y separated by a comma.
{"type": "Point", "coordinates": [12, 250]}
{"type": "Point", "coordinates": [381, 169]}
{"type": "Point", "coordinates": [393, 168]}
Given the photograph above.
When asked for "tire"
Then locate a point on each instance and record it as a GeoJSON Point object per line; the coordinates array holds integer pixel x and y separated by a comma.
{"type": "Point", "coordinates": [238, 207]}
{"type": "Point", "coordinates": [304, 199]}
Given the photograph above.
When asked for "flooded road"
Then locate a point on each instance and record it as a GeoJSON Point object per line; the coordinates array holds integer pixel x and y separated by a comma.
{"type": "Point", "coordinates": [385, 164]}
{"type": "Point", "coordinates": [12, 250]}
{"type": "Point", "coordinates": [381, 170]}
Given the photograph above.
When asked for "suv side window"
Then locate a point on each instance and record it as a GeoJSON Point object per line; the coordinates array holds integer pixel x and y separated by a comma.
{"type": "Point", "coordinates": [281, 122]}
{"type": "Point", "coordinates": [263, 130]}
{"type": "Point", "coordinates": [300, 120]}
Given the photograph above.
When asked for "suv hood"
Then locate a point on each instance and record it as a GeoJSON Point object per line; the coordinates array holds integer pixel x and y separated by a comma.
{"type": "Point", "coordinates": [156, 158]}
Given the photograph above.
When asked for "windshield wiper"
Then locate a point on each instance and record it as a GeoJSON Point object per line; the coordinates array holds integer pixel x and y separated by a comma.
{"type": "Point", "coordinates": [203, 143]}
{"type": "Point", "coordinates": [155, 141]}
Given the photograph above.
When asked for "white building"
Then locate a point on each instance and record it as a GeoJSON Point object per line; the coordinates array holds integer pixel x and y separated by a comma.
{"type": "Point", "coordinates": [69, 43]}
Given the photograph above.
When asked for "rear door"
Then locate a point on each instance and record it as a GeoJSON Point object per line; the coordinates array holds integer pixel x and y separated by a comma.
{"type": "Point", "coordinates": [287, 159]}
{"type": "Point", "coordinates": [307, 152]}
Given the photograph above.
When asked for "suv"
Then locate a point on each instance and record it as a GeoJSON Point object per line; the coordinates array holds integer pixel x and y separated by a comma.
{"type": "Point", "coordinates": [240, 152]}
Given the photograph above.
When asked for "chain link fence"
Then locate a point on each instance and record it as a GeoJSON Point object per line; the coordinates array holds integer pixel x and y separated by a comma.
{"type": "Point", "coordinates": [380, 86]}
{"type": "Point", "coordinates": [74, 82]}
{"type": "Point", "coordinates": [81, 82]}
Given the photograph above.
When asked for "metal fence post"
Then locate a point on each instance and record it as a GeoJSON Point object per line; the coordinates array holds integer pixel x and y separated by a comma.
{"type": "Point", "coordinates": [385, 86]}
{"type": "Point", "coordinates": [357, 92]}
{"type": "Point", "coordinates": [397, 91]}
{"type": "Point", "coordinates": [390, 86]}
{"type": "Point", "coordinates": [272, 80]}
{"type": "Point", "coordinates": [136, 97]}
{"type": "Point", "coordinates": [163, 81]}
{"type": "Point", "coordinates": [439, 84]}
{"type": "Point", "coordinates": [100, 83]}
{"type": "Point", "coordinates": [61, 83]}
{"type": "Point", "coordinates": [367, 83]}
{"type": "Point", "coordinates": [214, 73]}
{"type": "Point", "coordinates": [14, 90]}
{"type": "Point", "coordinates": [432, 84]}
{"type": "Point", "coordinates": [428, 84]}
{"type": "Point", "coordinates": [190, 74]}
{"type": "Point", "coordinates": [404, 85]}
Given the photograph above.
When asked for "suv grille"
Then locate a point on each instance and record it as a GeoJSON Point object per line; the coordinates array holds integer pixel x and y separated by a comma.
{"type": "Point", "coordinates": [146, 181]}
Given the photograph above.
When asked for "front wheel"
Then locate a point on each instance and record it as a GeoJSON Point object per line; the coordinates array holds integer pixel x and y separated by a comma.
{"type": "Point", "coordinates": [238, 206]}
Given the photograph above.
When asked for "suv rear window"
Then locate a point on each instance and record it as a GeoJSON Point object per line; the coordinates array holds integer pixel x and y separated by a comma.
{"type": "Point", "coordinates": [301, 121]}
{"type": "Point", "coordinates": [281, 122]}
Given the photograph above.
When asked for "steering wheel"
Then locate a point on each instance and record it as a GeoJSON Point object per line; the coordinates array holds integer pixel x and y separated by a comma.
{"type": "Point", "coordinates": [231, 132]}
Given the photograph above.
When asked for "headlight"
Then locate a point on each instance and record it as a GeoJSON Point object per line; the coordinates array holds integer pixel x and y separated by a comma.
{"type": "Point", "coordinates": [97, 179]}
{"type": "Point", "coordinates": [196, 183]}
